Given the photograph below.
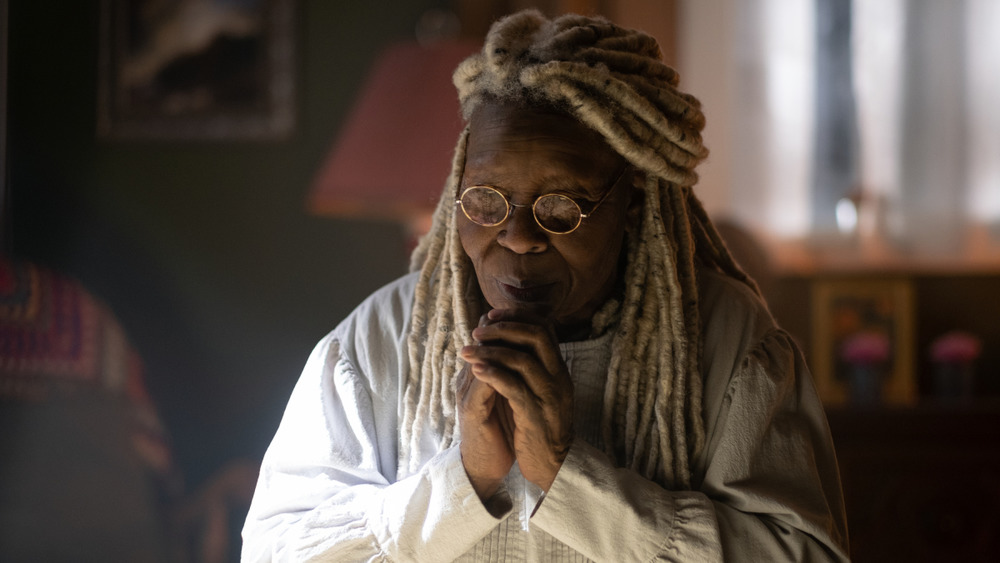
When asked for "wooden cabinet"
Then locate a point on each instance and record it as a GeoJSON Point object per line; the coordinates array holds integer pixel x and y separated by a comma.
{"type": "Point", "coordinates": [921, 484]}
{"type": "Point", "coordinates": [941, 302]}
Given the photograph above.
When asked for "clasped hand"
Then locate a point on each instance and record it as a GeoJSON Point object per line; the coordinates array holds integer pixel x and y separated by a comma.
{"type": "Point", "coordinates": [515, 402]}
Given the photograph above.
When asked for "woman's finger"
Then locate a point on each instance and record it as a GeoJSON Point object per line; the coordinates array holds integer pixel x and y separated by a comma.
{"type": "Point", "coordinates": [546, 386]}
{"type": "Point", "coordinates": [532, 334]}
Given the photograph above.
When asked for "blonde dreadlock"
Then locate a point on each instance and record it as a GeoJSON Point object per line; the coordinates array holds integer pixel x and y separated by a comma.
{"type": "Point", "coordinates": [612, 80]}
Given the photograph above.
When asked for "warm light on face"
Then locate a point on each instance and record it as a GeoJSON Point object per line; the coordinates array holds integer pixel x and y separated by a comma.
{"type": "Point", "coordinates": [519, 262]}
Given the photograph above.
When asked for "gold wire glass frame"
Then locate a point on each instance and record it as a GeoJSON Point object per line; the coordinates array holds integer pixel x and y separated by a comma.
{"type": "Point", "coordinates": [534, 206]}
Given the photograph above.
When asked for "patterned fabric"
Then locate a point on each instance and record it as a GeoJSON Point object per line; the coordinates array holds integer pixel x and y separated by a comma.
{"type": "Point", "coordinates": [55, 337]}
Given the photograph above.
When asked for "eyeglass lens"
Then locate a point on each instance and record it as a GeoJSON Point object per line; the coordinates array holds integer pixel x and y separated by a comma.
{"type": "Point", "coordinates": [557, 213]}
{"type": "Point", "coordinates": [488, 207]}
{"type": "Point", "coordinates": [485, 206]}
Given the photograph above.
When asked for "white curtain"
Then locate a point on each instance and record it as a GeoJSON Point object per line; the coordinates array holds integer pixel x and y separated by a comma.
{"type": "Point", "coordinates": [772, 121]}
{"type": "Point", "coordinates": [878, 55]}
{"type": "Point", "coordinates": [926, 76]}
{"type": "Point", "coordinates": [983, 91]}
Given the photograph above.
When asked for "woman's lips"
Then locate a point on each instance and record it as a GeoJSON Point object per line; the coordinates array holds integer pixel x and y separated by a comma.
{"type": "Point", "coordinates": [526, 292]}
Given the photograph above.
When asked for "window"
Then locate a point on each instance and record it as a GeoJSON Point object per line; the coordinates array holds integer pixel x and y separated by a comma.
{"type": "Point", "coordinates": [887, 107]}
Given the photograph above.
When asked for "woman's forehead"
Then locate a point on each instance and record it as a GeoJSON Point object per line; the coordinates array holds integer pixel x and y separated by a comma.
{"type": "Point", "coordinates": [513, 132]}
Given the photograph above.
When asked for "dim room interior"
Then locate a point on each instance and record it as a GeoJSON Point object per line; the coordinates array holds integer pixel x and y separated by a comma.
{"type": "Point", "coordinates": [194, 193]}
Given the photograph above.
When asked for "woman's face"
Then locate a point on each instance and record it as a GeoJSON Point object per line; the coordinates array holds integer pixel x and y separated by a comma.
{"type": "Point", "coordinates": [524, 154]}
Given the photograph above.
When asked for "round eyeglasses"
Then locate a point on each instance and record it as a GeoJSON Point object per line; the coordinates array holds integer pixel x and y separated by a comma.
{"type": "Point", "coordinates": [555, 213]}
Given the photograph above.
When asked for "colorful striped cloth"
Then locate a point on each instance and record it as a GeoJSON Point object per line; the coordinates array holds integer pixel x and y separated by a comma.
{"type": "Point", "coordinates": [56, 338]}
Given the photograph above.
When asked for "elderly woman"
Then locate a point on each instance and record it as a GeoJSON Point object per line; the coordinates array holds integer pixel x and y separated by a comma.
{"type": "Point", "coordinates": [576, 369]}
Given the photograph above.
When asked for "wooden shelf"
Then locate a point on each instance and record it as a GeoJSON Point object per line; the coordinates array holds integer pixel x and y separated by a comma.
{"type": "Point", "coordinates": [979, 254]}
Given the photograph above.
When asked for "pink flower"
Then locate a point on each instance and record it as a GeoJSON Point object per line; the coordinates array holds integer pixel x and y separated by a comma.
{"type": "Point", "coordinates": [955, 347]}
{"type": "Point", "coordinates": [867, 347]}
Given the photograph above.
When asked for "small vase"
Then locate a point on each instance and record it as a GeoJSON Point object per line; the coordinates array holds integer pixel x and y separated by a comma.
{"type": "Point", "coordinates": [954, 380]}
{"type": "Point", "coordinates": [865, 383]}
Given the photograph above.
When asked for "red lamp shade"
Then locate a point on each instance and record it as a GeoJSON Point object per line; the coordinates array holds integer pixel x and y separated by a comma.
{"type": "Point", "coordinates": [393, 156]}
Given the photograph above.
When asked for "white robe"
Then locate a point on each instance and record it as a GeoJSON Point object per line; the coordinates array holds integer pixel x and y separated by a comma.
{"type": "Point", "coordinates": [767, 485]}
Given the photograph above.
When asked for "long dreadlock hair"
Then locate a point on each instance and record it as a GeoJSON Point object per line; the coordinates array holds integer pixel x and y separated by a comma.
{"type": "Point", "coordinates": [612, 80]}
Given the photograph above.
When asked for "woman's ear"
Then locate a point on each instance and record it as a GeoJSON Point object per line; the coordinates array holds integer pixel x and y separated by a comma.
{"type": "Point", "coordinates": [637, 198]}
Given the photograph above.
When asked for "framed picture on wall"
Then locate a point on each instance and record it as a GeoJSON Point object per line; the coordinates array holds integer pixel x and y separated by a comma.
{"type": "Point", "coordinates": [5, 223]}
{"type": "Point", "coordinates": [863, 341]}
{"type": "Point", "coordinates": [196, 70]}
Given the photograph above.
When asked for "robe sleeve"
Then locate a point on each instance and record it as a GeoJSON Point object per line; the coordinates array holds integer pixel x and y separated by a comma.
{"type": "Point", "coordinates": [771, 491]}
{"type": "Point", "coordinates": [328, 489]}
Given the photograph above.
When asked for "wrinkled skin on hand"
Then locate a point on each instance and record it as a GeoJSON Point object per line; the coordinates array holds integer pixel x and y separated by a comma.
{"type": "Point", "coordinates": [486, 451]}
{"type": "Point", "coordinates": [515, 401]}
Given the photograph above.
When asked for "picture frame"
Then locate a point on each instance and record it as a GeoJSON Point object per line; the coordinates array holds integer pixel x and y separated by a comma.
{"type": "Point", "coordinates": [5, 238]}
{"type": "Point", "coordinates": [844, 313]}
{"type": "Point", "coordinates": [196, 70]}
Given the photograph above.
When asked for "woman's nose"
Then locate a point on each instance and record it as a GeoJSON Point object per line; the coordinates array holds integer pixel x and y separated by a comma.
{"type": "Point", "coordinates": [522, 234]}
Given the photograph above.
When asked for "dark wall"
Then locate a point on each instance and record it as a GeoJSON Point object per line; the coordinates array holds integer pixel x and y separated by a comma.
{"type": "Point", "coordinates": [203, 249]}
